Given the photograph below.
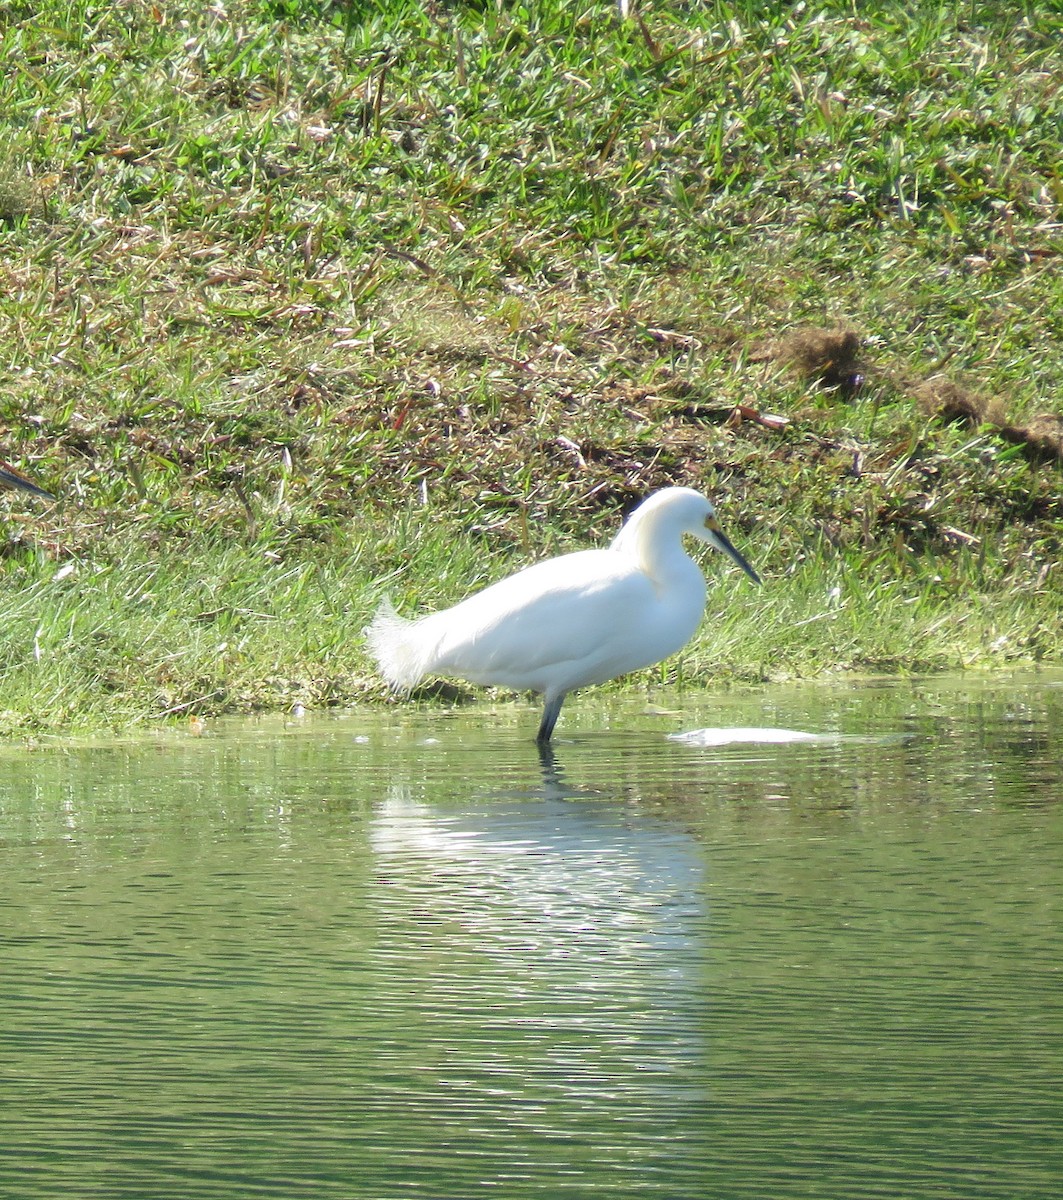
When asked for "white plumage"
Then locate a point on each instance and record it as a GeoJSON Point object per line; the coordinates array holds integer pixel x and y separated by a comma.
{"type": "Point", "coordinates": [570, 621]}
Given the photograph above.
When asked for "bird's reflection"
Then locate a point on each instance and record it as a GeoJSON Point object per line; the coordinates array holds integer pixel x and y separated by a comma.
{"type": "Point", "coordinates": [553, 783]}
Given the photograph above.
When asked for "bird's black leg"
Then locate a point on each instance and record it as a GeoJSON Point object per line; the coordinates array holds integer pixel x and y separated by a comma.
{"type": "Point", "coordinates": [550, 712]}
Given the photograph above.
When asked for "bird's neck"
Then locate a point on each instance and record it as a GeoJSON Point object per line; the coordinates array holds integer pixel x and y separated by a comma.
{"type": "Point", "coordinates": [658, 551]}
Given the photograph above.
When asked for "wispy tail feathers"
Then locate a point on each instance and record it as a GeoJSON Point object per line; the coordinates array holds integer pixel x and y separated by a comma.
{"type": "Point", "coordinates": [400, 654]}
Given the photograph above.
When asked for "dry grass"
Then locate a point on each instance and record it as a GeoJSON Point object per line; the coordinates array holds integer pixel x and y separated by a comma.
{"type": "Point", "coordinates": [830, 358]}
{"type": "Point", "coordinates": [1041, 438]}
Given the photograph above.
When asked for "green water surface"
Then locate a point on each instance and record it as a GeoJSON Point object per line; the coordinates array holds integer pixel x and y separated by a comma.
{"type": "Point", "coordinates": [397, 954]}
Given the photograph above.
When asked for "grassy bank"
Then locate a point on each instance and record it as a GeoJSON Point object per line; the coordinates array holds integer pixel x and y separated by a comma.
{"type": "Point", "coordinates": [303, 304]}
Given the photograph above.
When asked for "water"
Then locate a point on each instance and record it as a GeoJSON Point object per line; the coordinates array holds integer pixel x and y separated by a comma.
{"type": "Point", "coordinates": [396, 955]}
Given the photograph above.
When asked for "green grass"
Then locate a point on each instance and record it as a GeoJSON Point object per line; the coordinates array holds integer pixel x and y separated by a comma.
{"type": "Point", "coordinates": [305, 301]}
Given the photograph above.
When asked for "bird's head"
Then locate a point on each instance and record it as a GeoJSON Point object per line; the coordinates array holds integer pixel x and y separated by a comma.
{"type": "Point", "coordinates": [686, 511]}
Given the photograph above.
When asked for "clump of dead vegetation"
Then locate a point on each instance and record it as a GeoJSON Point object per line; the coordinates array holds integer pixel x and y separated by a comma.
{"type": "Point", "coordinates": [833, 359]}
{"type": "Point", "coordinates": [1041, 437]}
{"type": "Point", "coordinates": [830, 358]}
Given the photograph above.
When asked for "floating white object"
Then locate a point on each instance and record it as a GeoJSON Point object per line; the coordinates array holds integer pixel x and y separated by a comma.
{"type": "Point", "coordinates": [728, 737]}
{"type": "Point", "coordinates": [570, 621]}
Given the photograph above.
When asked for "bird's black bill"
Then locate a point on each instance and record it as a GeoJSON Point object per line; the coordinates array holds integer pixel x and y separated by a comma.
{"type": "Point", "coordinates": [11, 478]}
{"type": "Point", "coordinates": [723, 542]}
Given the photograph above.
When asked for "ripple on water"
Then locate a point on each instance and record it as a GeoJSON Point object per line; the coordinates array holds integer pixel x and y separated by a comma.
{"type": "Point", "coordinates": [428, 963]}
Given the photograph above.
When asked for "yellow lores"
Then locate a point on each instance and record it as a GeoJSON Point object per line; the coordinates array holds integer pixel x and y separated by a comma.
{"type": "Point", "coordinates": [570, 621]}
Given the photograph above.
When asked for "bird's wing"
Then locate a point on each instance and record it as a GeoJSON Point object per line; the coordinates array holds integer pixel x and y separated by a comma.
{"type": "Point", "coordinates": [554, 612]}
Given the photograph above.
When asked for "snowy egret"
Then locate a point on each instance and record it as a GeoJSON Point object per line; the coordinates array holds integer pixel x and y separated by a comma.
{"type": "Point", "coordinates": [11, 478]}
{"type": "Point", "coordinates": [570, 621]}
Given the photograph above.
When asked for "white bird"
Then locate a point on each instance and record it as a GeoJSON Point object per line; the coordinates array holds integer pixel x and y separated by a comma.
{"type": "Point", "coordinates": [570, 621]}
